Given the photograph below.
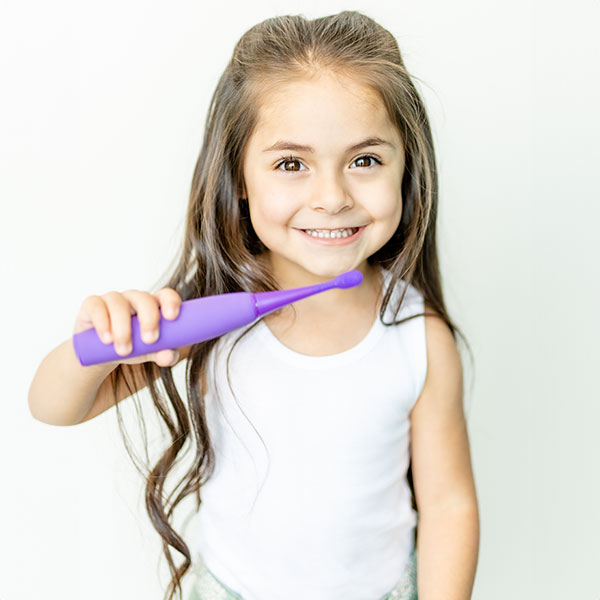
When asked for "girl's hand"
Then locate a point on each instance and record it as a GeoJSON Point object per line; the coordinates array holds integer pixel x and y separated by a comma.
{"type": "Point", "coordinates": [110, 314]}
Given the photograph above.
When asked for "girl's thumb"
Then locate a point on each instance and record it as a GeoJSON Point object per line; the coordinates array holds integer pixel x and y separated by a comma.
{"type": "Point", "coordinates": [174, 359]}
{"type": "Point", "coordinates": [165, 358]}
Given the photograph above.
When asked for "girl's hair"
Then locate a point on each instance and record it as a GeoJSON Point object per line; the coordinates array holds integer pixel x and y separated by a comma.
{"type": "Point", "coordinates": [221, 252]}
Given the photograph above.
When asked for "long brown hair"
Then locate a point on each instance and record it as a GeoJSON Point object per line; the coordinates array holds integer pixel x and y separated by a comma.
{"type": "Point", "coordinates": [221, 252]}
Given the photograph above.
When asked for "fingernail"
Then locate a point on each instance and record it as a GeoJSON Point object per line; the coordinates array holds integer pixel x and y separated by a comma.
{"type": "Point", "coordinates": [150, 336]}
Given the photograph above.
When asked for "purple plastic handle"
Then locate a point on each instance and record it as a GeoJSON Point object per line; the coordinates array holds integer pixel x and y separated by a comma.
{"type": "Point", "coordinates": [202, 319]}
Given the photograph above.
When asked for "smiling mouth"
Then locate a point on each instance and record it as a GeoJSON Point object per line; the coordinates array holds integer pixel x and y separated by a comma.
{"type": "Point", "coordinates": [332, 233]}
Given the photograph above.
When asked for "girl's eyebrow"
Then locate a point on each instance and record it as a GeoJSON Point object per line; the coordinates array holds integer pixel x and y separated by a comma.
{"type": "Point", "coordinates": [287, 145]}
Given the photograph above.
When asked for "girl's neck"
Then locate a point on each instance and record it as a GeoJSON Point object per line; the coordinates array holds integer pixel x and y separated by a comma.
{"type": "Point", "coordinates": [331, 322]}
{"type": "Point", "coordinates": [327, 307]}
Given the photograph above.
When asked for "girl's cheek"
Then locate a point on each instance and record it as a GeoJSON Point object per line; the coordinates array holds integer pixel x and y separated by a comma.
{"type": "Point", "coordinates": [270, 213]}
{"type": "Point", "coordinates": [281, 205]}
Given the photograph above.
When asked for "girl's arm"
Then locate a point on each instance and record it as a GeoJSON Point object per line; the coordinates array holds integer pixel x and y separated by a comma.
{"type": "Point", "coordinates": [65, 393]}
{"type": "Point", "coordinates": [105, 398]}
{"type": "Point", "coordinates": [448, 531]}
{"type": "Point", "coordinates": [62, 391]}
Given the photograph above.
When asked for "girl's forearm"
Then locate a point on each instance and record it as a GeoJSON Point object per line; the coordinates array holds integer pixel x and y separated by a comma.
{"type": "Point", "coordinates": [447, 552]}
{"type": "Point", "coordinates": [62, 391]}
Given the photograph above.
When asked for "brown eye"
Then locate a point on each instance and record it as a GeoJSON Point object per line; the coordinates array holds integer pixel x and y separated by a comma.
{"type": "Point", "coordinates": [365, 158]}
{"type": "Point", "coordinates": [290, 160]}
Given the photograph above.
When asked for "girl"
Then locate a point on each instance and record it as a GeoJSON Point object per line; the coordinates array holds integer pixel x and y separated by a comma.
{"type": "Point", "coordinates": [326, 428]}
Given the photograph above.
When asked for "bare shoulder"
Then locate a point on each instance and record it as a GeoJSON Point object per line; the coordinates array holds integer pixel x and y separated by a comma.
{"type": "Point", "coordinates": [439, 444]}
{"type": "Point", "coordinates": [444, 363]}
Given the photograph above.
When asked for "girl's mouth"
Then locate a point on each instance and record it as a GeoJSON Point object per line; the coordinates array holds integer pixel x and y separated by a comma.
{"type": "Point", "coordinates": [333, 237]}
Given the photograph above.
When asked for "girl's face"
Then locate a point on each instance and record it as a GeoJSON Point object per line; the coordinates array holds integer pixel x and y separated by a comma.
{"type": "Point", "coordinates": [313, 163]}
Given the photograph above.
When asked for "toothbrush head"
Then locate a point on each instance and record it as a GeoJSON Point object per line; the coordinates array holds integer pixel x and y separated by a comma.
{"type": "Point", "coordinates": [348, 279]}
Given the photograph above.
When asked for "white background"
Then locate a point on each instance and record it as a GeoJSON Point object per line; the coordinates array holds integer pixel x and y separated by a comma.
{"type": "Point", "coordinates": [102, 111]}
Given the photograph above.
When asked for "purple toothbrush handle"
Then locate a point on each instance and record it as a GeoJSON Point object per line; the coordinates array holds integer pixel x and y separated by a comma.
{"type": "Point", "coordinates": [202, 319]}
{"type": "Point", "coordinates": [198, 320]}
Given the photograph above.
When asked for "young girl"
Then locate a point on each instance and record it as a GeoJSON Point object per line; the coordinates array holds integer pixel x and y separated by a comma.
{"type": "Point", "coordinates": [326, 428]}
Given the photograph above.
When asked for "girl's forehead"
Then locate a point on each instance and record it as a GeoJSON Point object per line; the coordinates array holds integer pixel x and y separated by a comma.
{"type": "Point", "coordinates": [318, 107]}
{"type": "Point", "coordinates": [326, 88]}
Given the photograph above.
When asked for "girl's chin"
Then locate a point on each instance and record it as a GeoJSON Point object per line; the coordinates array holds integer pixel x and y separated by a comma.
{"type": "Point", "coordinates": [310, 274]}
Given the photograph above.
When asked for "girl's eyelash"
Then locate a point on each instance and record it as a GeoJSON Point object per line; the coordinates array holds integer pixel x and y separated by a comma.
{"type": "Point", "coordinates": [285, 159]}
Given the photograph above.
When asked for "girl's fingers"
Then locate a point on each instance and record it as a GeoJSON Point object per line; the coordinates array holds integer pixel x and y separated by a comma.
{"type": "Point", "coordinates": [121, 307]}
{"type": "Point", "coordinates": [119, 313]}
{"type": "Point", "coordinates": [170, 303]}
{"type": "Point", "coordinates": [165, 358]}
{"type": "Point", "coordinates": [110, 314]}
{"type": "Point", "coordinates": [148, 310]}
{"type": "Point", "coordinates": [93, 313]}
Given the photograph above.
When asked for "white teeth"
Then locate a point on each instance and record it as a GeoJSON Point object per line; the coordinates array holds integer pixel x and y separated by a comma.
{"type": "Point", "coordinates": [335, 233]}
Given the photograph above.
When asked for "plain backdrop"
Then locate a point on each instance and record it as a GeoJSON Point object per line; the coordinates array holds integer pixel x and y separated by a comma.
{"type": "Point", "coordinates": [101, 118]}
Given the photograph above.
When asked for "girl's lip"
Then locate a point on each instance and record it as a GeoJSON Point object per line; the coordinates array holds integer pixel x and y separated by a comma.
{"type": "Point", "coordinates": [334, 241]}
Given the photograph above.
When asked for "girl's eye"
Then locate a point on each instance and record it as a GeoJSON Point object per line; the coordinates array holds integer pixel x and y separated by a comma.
{"type": "Point", "coordinates": [285, 160]}
{"type": "Point", "coordinates": [368, 157]}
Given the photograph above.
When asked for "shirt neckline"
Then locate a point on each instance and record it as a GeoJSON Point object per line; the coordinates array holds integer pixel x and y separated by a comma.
{"type": "Point", "coordinates": [271, 342]}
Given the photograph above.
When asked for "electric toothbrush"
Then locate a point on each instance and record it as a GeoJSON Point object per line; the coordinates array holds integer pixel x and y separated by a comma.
{"type": "Point", "coordinates": [202, 319]}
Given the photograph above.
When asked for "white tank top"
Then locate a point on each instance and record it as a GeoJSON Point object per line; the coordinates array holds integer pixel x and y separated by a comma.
{"type": "Point", "coordinates": [324, 511]}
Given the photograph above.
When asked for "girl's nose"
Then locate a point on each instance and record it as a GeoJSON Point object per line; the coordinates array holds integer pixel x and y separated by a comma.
{"type": "Point", "coordinates": [330, 196]}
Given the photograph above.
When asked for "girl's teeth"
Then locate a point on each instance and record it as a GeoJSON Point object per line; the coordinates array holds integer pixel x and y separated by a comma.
{"type": "Point", "coordinates": [336, 233]}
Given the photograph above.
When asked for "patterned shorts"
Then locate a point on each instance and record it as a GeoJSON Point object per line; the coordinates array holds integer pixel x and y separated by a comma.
{"type": "Point", "coordinates": [207, 587]}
